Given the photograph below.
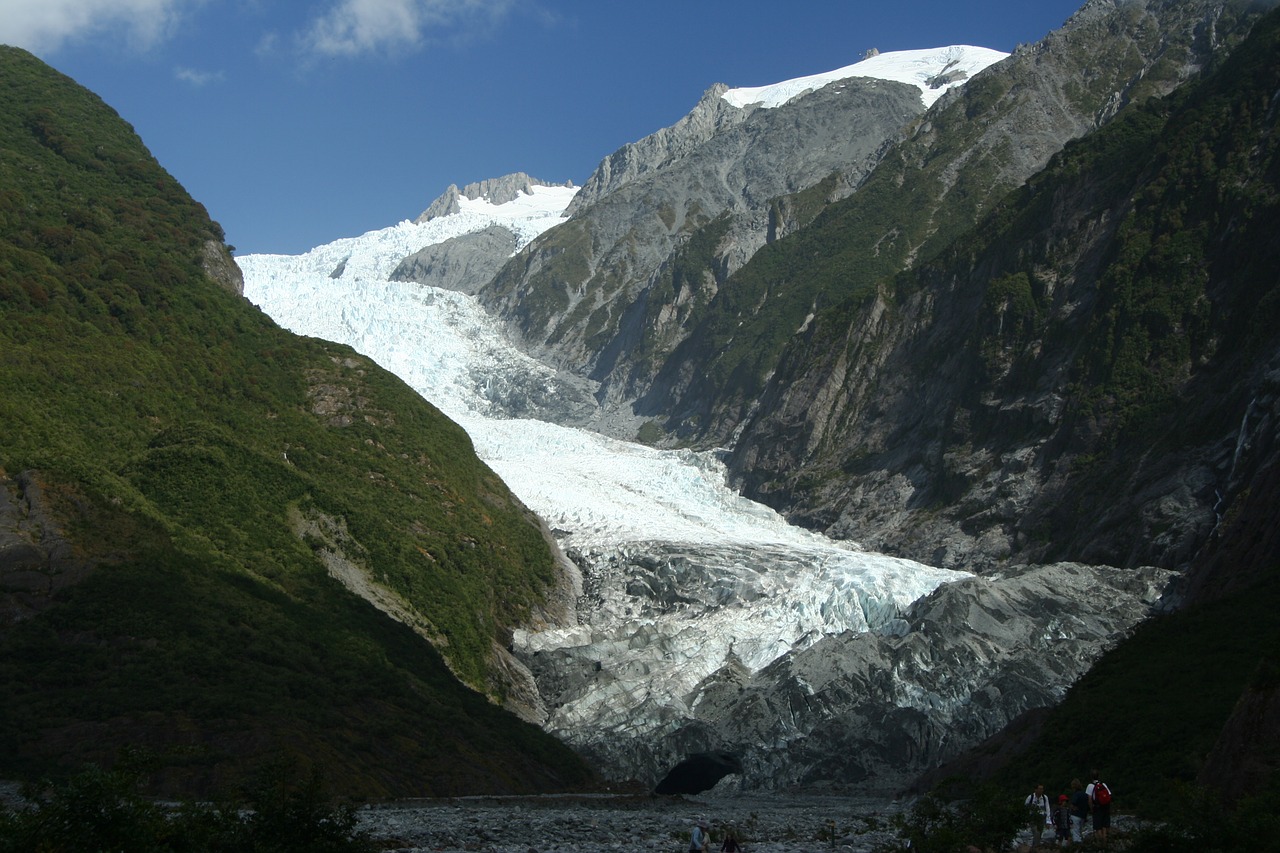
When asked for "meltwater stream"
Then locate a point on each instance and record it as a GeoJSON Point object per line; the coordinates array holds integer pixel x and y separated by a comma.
{"type": "Point", "coordinates": [681, 574]}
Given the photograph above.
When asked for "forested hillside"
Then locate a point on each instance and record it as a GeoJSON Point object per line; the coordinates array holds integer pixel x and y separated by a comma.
{"type": "Point", "coordinates": [182, 483]}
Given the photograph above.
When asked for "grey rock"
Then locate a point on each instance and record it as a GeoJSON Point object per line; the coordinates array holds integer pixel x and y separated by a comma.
{"type": "Point", "coordinates": [898, 429]}
{"type": "Point", "coordinates": [599, 295]}
{"type": "Point", "coordinates": [632, 821]}
{"type": "Point", "coordinates": [463, 263]}
{"type": "Point", "coordinates": [37, 559]}
{"type": "Point", "coordinates": [218, 264]}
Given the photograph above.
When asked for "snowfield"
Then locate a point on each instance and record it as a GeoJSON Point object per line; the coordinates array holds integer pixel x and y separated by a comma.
{"type": "Point", "coordinates": [946, 67]}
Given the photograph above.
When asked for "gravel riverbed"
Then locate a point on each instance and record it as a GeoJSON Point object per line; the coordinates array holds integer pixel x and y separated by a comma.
{"type": "Point", "coordinates": [764, 823]}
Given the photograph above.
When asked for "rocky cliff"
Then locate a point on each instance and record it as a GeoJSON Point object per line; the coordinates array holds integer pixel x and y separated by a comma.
{"type": "Point", "coordinates": [942, 176]}
{"type": "Point", "coordinates": [1086, 376]}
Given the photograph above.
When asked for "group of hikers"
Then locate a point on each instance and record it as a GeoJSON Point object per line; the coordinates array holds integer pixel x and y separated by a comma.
{"type": "Point", "coordinates": [1063, 822]}
{"type": "Point", "coordinates": [1060, 822]}
{"type": "Point", "coordinates": [700, 839]}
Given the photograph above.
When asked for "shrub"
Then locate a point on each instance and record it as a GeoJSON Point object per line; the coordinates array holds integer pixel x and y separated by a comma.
{"type": "Point", "coordinates": [989, 820]}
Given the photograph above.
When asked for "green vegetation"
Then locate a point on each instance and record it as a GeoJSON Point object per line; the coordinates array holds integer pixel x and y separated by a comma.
{"type": "Point", "coordinates": [1195, 820]}
{"type": "Point", "coordinates": [988, 820]}
{"type": "Point", "coordinates": [680, 294]}
{"type": "Point", "coordinates": [105, 810]}
{"type": "Point", "coordinates": [650, 433]}
{"type": "Point", "coordinates": [203, 465]}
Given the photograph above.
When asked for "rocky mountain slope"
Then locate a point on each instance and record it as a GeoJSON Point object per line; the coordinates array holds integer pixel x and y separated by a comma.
{"type": "Point", "coordinates": [663, 221]}
{"type": "Point", "coordinates": [1087, 375]}
{"type": "Point", "coordinates": [220, 542]}
{"type": "Point", "coordinates": [638, 290]}
{"type": "Point", "coordinates": [1216, 166]}
{"type": "Point", "coordinates": [943, 174]}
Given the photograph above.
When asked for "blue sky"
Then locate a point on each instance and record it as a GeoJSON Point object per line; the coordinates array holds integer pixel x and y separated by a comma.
{"type": "Point", "coordinates": [297, 123]}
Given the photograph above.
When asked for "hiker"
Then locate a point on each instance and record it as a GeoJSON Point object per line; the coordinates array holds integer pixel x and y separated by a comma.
{"type": "Point", "coordinates": [1079, 810]}
{"type": "Point", "coordinates": [1099, 794]}
{"type": "Point", "coordinates": [731, 844]}
{"type": "Point", "coordinates": [701, 837]}
{"type": "Point", "coordinates": [1062, 820]}
{"type": "Point", "coordinates": [1038, 814]}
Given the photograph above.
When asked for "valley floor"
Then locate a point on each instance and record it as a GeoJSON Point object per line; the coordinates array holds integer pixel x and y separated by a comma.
{"type": "Point", "coordinates": [765, 823]}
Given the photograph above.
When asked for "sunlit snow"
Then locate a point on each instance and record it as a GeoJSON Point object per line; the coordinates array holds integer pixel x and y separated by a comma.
{"type": "Point", "coordinates": [956, 63]}
{"type": "Point", "coordinates": [630, 514]}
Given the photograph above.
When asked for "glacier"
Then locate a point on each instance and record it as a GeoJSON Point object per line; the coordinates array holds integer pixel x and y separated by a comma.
{"type": "Point", "coordinates": [725, 577]}
{"type": "Point", "coordinates": [705, 624]}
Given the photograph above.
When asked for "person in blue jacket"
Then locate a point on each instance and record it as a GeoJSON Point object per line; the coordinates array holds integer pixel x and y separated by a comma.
{"type": "Point", "coordinates": [700, 840]}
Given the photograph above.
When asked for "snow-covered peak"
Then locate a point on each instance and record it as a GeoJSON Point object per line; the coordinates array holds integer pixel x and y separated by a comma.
{"type": "Point", "coordinates": [934, 70]}
{"type": "Point", "coordinates": [538, 203]}
{"type": "Point", "coordinates": [375, 254]}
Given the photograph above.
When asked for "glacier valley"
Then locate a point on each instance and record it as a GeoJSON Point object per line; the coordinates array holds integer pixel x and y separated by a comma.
{"type": "Point", "coordinates": [705, 625]}
{"type": "Point", "coordinates": [711, 643]}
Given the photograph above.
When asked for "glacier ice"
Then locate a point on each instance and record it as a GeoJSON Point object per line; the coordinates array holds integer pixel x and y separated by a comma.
{"type": "Point", "coordinates": [681, 573]}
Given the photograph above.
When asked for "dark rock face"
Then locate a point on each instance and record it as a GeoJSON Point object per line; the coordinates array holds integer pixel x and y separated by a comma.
{"type": "Point", "coordinates": [699, 773]}
{"type": "Point", "coordinates": [1245, 757]}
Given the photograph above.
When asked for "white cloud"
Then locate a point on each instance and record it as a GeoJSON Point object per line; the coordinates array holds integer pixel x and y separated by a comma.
{"type": "Point", "coordinates": [46, 25]}
{"type": "Point", "coordinates": [353, 27]}
{"type": "Point", "coordinates": [267, 43]}
{"type": "Point", "coordinates": [196, 77]}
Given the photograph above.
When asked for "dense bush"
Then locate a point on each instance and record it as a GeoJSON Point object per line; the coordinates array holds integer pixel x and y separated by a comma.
{"type": "Point", "coordinates": [204, 468]}
{"type": "Point", "coordinates": [103, 810]}
{"type": "Point", "coordinates": [989, 820]}
{"type": "Point", "coordinates": [1197, 821]}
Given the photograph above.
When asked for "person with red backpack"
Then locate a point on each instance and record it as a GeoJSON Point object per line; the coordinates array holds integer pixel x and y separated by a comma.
{"type": "Point", "coordinates": [1099, 794]}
